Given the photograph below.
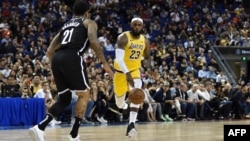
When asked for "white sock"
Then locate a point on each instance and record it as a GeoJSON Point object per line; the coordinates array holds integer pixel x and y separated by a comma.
{"type": "Point", "coordinates": [132, 116]}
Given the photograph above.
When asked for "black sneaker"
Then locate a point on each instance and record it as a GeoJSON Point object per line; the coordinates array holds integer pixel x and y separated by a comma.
{"type": "Point", "coordinates": [131, 131]}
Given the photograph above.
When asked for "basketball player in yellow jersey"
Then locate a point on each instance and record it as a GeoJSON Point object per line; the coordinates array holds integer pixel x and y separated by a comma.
{"type": "Point", "coordinates": [132, 46]}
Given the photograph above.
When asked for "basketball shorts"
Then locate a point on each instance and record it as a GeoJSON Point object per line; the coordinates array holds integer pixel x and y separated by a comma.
{"type": "Point", "coordinates": [69, 71]}
{"type": "Point", "coordinates": [121, 86]}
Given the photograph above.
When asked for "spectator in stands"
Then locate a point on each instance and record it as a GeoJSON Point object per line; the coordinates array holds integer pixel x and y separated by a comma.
{"type": "Point", "coordinates": [211, 74]}
{"type": "Point", "coordinates": [93, 96]}
{"type": "Point", "coordinates": [101, 103]}
{"type": "Point", "coordinates": [245, 101]}
{"type": "Point", "coordinates": [25, 87]}
{"type": "Point", "coordinates": [11, 88]}
{"type": "Point", "coordinates": [204, 97]}
{"type": "Point", "coordinates": [211, 104]}
{"type": "Point", "coordinates": [163, 96]}
{"type": "Point", "coordinates": [243, 79]}
{"type": "Point", "coordinates": [109, 49]}
{"type": "Point", "coordinates": [222, 104]}
{"type": "Point", "coordinates": [221, 78]}
{"type": "Point", "coordinates": [181, 98]}
{"type": "Point", "coordinates": [35, 84]}
{"type": "Point", "coordinates": [150, 112]}
{"type": "Point", "coordinates": [6, 71]}
{"type": "Point", "coordinates": [234, 95]}
{"type": "Point", "coordinates": [155, 108]}
{"type": "Point", "coordinates": [202, 73]}
{"type": "Point", "coordinates": [195, 105]}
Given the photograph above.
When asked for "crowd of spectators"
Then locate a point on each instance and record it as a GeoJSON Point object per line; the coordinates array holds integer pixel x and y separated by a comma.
{"type": "Point", "coordinates": [184, 81]}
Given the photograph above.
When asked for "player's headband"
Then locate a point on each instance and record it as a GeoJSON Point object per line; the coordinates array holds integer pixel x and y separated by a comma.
{"type": "Point", "coordinates": [137, 19]}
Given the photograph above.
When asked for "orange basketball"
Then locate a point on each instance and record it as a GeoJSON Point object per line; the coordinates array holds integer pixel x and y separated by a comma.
{"type": "Point", "coordinates": [136, 96]}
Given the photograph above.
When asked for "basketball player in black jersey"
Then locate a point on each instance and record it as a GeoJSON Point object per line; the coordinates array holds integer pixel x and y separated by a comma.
{"type": "Point", "coordinates": [69, 70]}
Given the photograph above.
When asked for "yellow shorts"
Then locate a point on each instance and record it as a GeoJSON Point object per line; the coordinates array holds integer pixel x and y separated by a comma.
{"type": "Point", "coordinates": [121, 86]}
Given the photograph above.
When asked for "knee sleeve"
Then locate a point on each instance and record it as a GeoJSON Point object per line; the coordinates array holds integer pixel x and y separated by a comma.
{"type": "Point", "coordinates": [63, 101]}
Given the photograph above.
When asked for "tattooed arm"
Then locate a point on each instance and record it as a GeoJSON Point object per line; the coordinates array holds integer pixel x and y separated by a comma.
{"type": "Point", "coordinates": [147, 57]}
{"type": "Point", "coordinates": [55, 44]}
{"type": "Point", "coordinates": [94, 43]}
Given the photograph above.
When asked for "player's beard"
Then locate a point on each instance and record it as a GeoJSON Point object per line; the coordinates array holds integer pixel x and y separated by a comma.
{"type": "Point", "coordinates": [136, 33]}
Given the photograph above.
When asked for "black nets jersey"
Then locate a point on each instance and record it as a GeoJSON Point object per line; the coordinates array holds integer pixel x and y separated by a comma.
{"type": "Point", "coordinates": [73, 36]}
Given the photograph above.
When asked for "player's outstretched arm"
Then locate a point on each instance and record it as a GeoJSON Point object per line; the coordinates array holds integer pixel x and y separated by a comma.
{"type": "Point", "coordinates": [94, 44]}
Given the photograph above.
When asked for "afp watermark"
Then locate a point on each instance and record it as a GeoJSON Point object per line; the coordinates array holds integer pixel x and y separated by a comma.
{"type": "Point", "coordinates": [241, 132]}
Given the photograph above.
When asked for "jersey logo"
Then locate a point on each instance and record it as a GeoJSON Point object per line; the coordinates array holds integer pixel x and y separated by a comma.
{"type": "Point", "coordinates": [136, 46]}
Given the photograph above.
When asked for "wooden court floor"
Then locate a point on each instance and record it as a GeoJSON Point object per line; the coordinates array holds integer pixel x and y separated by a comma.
{"type": "Point", "coordinates": [158, 131]}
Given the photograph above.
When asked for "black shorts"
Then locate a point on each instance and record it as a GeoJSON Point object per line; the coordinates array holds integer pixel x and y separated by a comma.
{"type": "Point", "coordinates": [69, 70]}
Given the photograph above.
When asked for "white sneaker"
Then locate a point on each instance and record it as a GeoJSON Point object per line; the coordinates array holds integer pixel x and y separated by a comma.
{"type": "Point", "coordinates": [99, 119]}
{"type": "Point", "coordinates": [168, 118]}
{"type": "Point", "coordinates": [163, 118]}
{"type": "Point", "coordinates": [69, 138]}
{"type": "Point", "coordinates": [190, 119]}
{"type": "Point", "coordinates": [54, 122]}
{"type": "Point", "coordinates": [36, 134]}
{"type": "Point", "coordinates": [57, 122]}
{"type": "Point", "coordinates": [103, 120]}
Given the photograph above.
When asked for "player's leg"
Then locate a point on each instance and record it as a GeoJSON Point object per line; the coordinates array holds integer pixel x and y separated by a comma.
{"type": "Point", "coordinates": [79, 83]}
{"type": "Point", "coordinates": [64, 99]}
{"type": "Point", "coordinates": [120, 90]}
{"type": "Point", "coordinates": [134, 108]}
{"type": "Point", "coordinates": [80, 108]}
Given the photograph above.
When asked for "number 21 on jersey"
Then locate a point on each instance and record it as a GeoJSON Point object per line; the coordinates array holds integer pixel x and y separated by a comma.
{"type": "Point", "coordinates": [67, 35]}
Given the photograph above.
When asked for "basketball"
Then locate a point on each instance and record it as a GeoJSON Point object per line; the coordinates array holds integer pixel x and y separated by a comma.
{"type": "Point", "coordinates": [136, 96]}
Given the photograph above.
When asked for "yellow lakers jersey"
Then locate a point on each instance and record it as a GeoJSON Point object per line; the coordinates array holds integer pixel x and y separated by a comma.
{"type": "Point", "coordinates": [134, 50]}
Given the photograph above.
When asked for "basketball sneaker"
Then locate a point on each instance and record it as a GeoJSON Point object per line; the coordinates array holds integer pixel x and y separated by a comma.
{"type": "Point", "coordinates": [54, 122]}
{"type": "Point", "coordinates": [36, 134]}
{"type": "Point", "coordinates": [131, 131]}
{"type": "Point", "coordinates": [168, 118]}
{"type": "Point", "coordinates": [69, 138]}
{"type": "Point", "coordinates": [162, 118]}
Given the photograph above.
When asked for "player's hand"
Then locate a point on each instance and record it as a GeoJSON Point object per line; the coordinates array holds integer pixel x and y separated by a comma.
{"type": "Point", "coordinates": [109, 70]}
{"type": "Point", "coordinates": [130, 79]}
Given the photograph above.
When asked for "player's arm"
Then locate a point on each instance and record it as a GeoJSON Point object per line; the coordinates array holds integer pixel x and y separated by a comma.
{"type": "Point", "coordinates": [94, 43]}
{"type": "Point", "coordinates": [147, 57]}
{"type": "Point", "coordinates": [55, 44]}
{"type": "Point", "coordinates": [122, 40]}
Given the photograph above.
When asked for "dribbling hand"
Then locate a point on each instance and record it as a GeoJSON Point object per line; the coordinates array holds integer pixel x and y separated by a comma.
{"type": "Point", "coordinates": [130, 79]}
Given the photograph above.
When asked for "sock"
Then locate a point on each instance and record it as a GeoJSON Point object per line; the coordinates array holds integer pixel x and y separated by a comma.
{"type": "Point", "coordinates": [75, 127]}
{"type": "Point", "coordinates": [132, 116]}
{"type": "Point", "coordinates": [42, 125]}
